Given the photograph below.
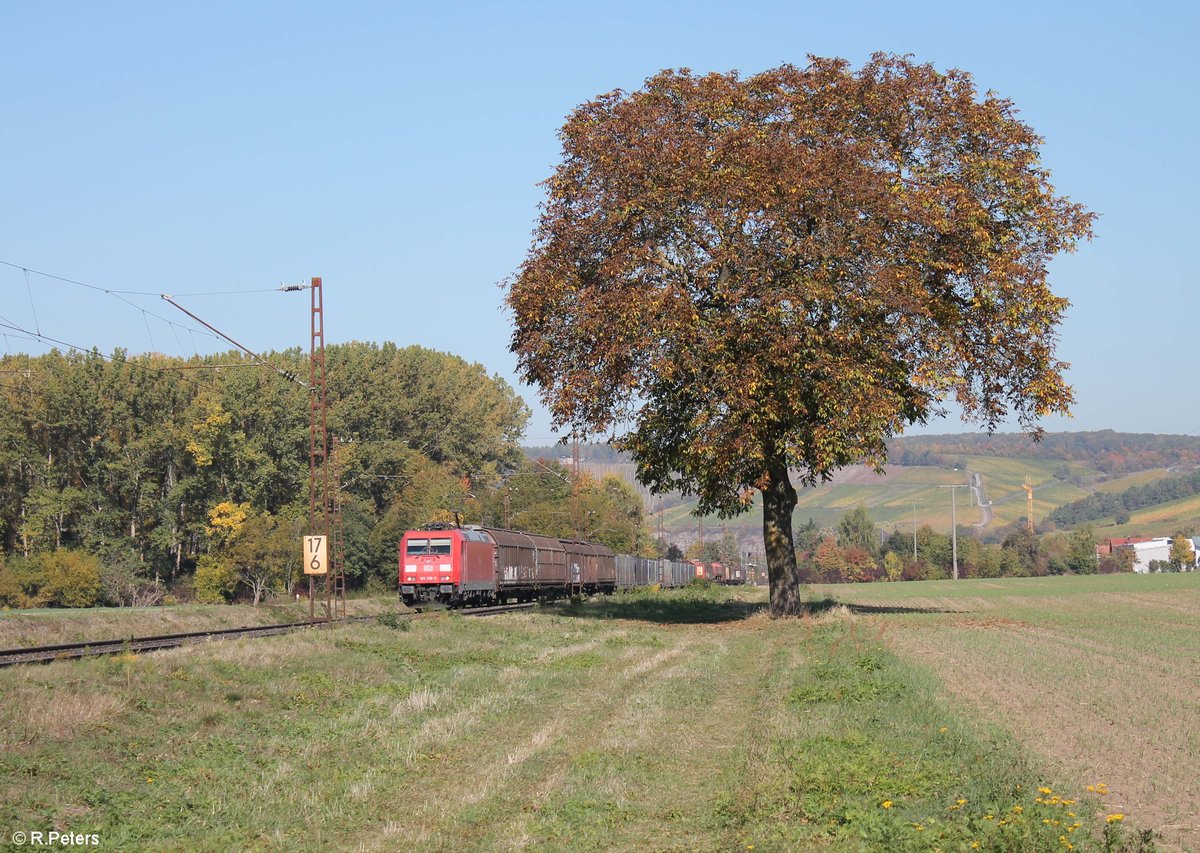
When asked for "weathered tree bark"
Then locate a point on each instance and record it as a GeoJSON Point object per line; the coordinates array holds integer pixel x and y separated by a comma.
{"type": "Point", "coordinates": [779, 500]}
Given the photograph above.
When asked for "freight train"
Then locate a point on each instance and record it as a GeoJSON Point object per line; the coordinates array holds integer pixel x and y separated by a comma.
{"type": "Point", "coordinates": [462, 566]}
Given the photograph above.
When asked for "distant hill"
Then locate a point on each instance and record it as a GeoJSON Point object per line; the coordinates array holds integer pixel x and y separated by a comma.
{"type": "Point", "coordinates": [1113, 453]}
{"type": "Point", "coordinates": [1066, 469]}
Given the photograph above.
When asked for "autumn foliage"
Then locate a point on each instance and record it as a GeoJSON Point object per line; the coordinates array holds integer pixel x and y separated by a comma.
{"type": "Point", "coordinates": [742, 277]}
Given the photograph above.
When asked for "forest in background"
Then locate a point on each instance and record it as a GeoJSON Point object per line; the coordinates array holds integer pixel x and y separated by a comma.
{"type": "Point", "coordinates": [158, 472]}
{"type": "Point", "coordinates": [138, 479]}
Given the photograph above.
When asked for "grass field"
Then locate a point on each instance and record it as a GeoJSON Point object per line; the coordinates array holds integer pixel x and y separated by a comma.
{"type": "Point", "coordinates": [922, 716]}
{"type": "Point", "coordinates": [889, 499]}
{"type": "Point", "coordinates": [1158, 520]}
{"type": "Point", "coordinates": [1003, 483]}
{"type": "Point", "coordinates": [1138, 478]}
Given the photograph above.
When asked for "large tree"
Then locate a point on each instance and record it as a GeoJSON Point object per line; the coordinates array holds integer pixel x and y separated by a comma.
{"type": "Point", "coordinates": [743, 278]}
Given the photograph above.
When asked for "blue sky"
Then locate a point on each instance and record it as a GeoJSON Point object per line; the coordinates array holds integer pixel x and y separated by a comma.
{"type": "Point", "coordinates": [395, 150]}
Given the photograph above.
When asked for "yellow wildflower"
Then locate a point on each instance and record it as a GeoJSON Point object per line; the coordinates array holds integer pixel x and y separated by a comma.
{"type": "Point", "coordinates": [1018, 809]}
{"type": "Point", "coordinates": [887, 804]}
{"type": "Point", "coordinates": [1115, 818]}
{"type": "Point", "coordinates": [1047, 791]}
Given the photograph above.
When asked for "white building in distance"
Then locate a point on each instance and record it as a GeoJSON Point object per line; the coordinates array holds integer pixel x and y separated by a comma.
{"type": "Point", "coordinates": [1156, 549]}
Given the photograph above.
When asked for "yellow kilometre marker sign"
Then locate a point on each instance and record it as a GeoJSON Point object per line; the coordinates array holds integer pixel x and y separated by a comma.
{"type": "Point", "coordinates": [316, 561]}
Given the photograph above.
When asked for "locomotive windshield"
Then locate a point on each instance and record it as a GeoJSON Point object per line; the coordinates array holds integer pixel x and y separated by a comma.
{"type": "Point", "coordinates": [417, 547]}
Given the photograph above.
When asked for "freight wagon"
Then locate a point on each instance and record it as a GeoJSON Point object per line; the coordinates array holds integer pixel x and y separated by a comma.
{"type": "Point", "coordinates": [642, 571]}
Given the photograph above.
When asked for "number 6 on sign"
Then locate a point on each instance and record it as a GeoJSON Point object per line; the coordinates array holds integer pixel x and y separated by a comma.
{"type": "Point", "coordinates": [315, 562]}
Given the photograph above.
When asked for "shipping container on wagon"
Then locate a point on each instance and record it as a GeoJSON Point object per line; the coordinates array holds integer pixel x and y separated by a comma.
{"type": "Point", "coordinates": [591, 567]}
{"type": "Point", "coordinates": [637, 571]}
{"type": "Point", "coordinates": [675, 574]}
{"type": "Point", "coordinates": [627, 566]}
{"type": "Point", "coordinates": [735, 575]}
{"type": "Point", "coordinates": [526, 561]}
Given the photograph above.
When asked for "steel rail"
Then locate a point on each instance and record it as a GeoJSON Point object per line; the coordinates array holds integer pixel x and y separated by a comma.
{"type": "Point", "coordinates": [97, 648]}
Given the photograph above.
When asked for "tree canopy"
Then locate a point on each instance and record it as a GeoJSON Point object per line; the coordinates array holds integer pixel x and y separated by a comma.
{"type": "Point", "coordinates": [128, 458]}
{"type": "Point", "coordinates": [742, 277]}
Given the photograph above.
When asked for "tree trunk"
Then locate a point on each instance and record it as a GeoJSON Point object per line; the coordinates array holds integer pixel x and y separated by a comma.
{"type": "Point", "coordinates": [779, 499]}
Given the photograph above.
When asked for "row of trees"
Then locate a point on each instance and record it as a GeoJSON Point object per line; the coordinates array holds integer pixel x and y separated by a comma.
{"type": "Point", "coordinates": [164, 472]}
{"type": "Point", "coordinates": [1118, 505]}
{"type": "Point", "coordinates": [859, 551]}
{"type": "Point", "coordinates": [133, 479]}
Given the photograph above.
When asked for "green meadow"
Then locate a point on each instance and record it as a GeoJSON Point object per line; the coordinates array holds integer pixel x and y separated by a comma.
{"type": "Point", "coordinates": [987, 715]}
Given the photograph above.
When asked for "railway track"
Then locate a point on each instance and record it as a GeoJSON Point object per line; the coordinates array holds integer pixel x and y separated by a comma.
{"type": "Point", "coordinates": [69, 651]}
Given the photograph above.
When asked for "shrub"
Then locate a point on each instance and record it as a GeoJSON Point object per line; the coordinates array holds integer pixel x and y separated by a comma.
{"type": "Point", "coordinates": [21, 583]}
{"type": "Point", "coordinates": [215, 580]}
{"type": "Point", "coordinates": [72, 578]}
{"type": "Point", "coordinates": [62, 578]}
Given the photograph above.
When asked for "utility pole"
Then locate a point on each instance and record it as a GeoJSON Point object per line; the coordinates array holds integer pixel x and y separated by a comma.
{"type": "Point", "coordinates": [1029, 504]}
{"type": "Point", "coordinates": [337, 551]}
{"type": "Point", "coordinates": [576, 507]}
{"type": "Point", "coordinates": [954, 522]}
{"type": "Point", "coordinates": [661, 539]}
{"type": "Point", "coordinates": [318, 433]}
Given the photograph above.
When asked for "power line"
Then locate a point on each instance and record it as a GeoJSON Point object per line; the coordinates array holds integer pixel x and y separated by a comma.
{"type": "Point", "coordinates": [115, 294]}
{"type": "Point", "coordinates": [120, 294]}
{"type": "Point", "coordinates": [286, 374]}
{"type": "Point", "coordinates": [93, 351]}
{"type": "Point", "coordinates": [284, 288]}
